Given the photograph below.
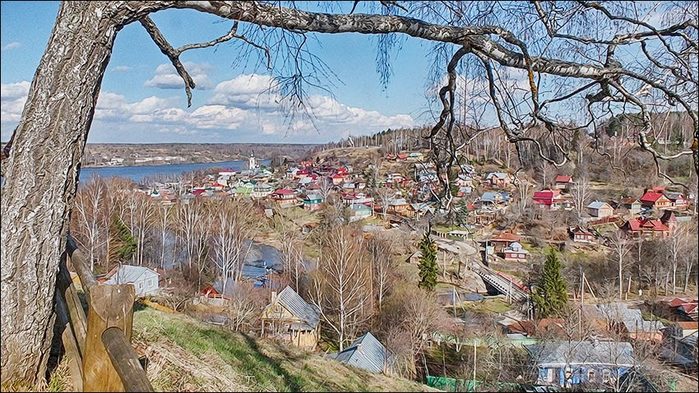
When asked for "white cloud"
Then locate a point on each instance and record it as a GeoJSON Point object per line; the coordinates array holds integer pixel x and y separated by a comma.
{"type": "Point", "coordinates": [12, 99]}
{"type": "Point", "coordinates": [244, 108]}
{"type": "Point", "coordinates": [12, 45]}
{"type": "Point", "coordinates": [121, 68]}
{"type": "Point", "coordinates": [166, 77]}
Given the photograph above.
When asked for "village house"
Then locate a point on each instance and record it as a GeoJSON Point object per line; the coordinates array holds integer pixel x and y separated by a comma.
{"type": "Point", "coordinates": [498, 179]}
{"type": "Point", "coordinates": [400, 206]}
{"type": "Point", "coordinates": [290, 318]}
{"type": "Point", "coordinates": [284, 198]}
{"type": "Point", "coordinates": [647, 228]}
{"type": "Point", "coordinates": [573, 363]}
{"type": "Point", "coordinates": [629, 322]}
{"type": "Point", "coordinates": [337, 179]}
{"type": "Point", "coordinates": [497, 244]}
{"type": "Point", "coordinates": [563, 183]}
{"type": "Point", "coordinates": [552, 200]}
{"type": "Point", "coordinates": [581, 235]}
{"type": "Point", "coordinates": [360, 212]}
{"type": "Point", "coordinates": [144, 280]}
{"type": "Point", "coordinates": [654, 199]}
{"type": "Point", "coordinates": [678, 201]}
{"type": "Point", "coordinates": [633, 205]}
{"type": "Point", "coordinates": [515, 252]}
{"type": "Point", "coordinates": [312, 202]}
{"type": "Point", "coordinates": [599, 209]}
{"type": "Point", "coordinates": [494, 198]}
{"type": "Point", "coordinates": [261, 190]}
{"type": "Point", "coordinates": [366, 353]}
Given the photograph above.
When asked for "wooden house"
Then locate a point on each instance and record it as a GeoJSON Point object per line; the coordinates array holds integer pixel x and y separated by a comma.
{"type": "Point", "coordinates": [563, 183]}
{"type": "Point", "coordinates": [498, 243]}
{"type": "Point", "coordinates": [599, 209]}
{"type": "Point", "coordinates": [284, 198]}
{"type": "Point", "coordinates": [654, 199]}
{"type": "Point", "coordinates": [679, 202]}
{"type": "Point", "coordinates": [581, 235]}
{"type": "Point", "coordinates": [290, 318]}
{"type": "Point", "coordinates": [646, 228]}
{"type": "Point", "coordinates": [498, 179]}
{"type": "Point", "coordinates": [633, 205]}
{"type": "Point", "coordinates": [515, 252]}
{"type": "Point", "coordinates": [312, 202]}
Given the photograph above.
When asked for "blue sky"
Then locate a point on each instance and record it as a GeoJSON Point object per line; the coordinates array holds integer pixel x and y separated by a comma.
{"type": "Point", "coordinates": [141, 100]}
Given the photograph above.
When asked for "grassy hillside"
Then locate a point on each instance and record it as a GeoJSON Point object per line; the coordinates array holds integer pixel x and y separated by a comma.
{"type": "Point", "coordinates": [189, 355]}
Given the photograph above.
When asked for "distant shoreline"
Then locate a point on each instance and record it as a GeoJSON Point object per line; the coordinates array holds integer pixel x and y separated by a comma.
{"type": "Point", "coordinates": [161, 163]}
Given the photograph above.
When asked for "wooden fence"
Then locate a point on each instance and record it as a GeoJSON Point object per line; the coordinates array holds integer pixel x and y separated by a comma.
{"type": "Point", "coordinates": [98, 345]}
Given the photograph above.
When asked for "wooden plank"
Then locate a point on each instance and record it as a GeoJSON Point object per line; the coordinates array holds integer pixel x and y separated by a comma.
{"type": "Point", "coordinates": [76, 314]}
{"type": "Point", "coordinates": [87, 280]}
{"type": "Point", "coordinates": [110, 306]}
{"type": "Point", "coordinates": [70, 343]}
{"type": "Point", "coordinates": [125, 361]}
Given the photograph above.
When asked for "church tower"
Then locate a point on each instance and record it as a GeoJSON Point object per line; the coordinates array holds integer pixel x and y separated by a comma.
{"type": "Point", "coordinates": [252, 163]}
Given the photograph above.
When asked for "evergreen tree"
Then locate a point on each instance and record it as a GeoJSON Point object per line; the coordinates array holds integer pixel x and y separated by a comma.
{"type": "Point", "coordinates": [124, 244]}
{"type": "Point", "coordinates": [428, 263]}
{"type": "Point", "coordinates": [462, 213]}
{"type": "Point", "coordinates": [551, 294]}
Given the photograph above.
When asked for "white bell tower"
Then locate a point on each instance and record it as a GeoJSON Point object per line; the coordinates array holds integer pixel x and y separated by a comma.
{"type": "Point", "coordinates": [252, 163]}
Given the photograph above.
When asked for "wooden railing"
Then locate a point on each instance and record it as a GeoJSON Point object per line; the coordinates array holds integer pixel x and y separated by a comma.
{"type": "Point", "coordinates": [98, 346]}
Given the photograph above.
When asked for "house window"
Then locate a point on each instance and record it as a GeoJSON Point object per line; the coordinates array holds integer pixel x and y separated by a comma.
{"type": "Point", "coordinates": [606, 375]}
{"type": "Point", "coordinates": [590, 375]}
{"type": "Point", "coordinates": [568, 372]}
{"type": "Point", "coordinates": [549, 375]}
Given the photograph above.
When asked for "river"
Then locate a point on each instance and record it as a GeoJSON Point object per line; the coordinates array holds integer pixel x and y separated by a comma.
{"type": "Point", "coordinates": [139, 173]}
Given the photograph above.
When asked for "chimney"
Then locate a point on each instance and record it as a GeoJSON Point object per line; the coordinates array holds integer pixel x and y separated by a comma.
{"type": "Point", "coordinates": [274, 296]}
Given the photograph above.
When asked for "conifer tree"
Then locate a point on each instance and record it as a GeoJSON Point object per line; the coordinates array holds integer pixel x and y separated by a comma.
{"type": "Point", "coordinates": [428, 263]}
{"type": "Point", "coordinates": [551, 295]}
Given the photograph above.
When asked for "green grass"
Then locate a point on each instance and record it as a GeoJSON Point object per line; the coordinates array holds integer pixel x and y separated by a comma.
{"type": "Point", "coordinates": [492, 305]}
{"type": "Point", "coordinates": [254, 364]}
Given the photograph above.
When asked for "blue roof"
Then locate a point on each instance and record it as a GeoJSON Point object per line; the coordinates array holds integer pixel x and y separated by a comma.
{"type": "Point", "coordinates": [366, 353]}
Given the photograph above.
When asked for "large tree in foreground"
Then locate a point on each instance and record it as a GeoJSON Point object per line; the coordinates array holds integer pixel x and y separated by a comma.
{"type": "Point", "coordinates": [564, 53]}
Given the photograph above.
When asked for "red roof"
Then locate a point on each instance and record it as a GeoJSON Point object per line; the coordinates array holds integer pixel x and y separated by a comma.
{"type": "Point", "coordinates": [284, 191]}
{"type": "Point", "coordinates": [563, 179]}
{"type": "Point", "coordinates": [545, 196]}
{"type": "Point", "coordinates": [638, 223]}
{"type": "Point", "coordinates": [676, 302]}
{"type": "Point", "coordinates": [505, 237]}
{"type": "Point", "coordinates": [337, 176]}
{"type": "Point", "coordinates": [651, 197]}
{"type": "Point", "coordinates": [198, 192]}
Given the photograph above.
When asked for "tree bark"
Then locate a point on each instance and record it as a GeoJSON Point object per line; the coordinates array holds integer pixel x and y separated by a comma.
{"type": "Point", "coordinates": [42, 175]}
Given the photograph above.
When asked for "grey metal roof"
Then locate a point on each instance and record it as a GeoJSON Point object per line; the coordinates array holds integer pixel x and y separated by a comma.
{"type": "Point", "coordinates": [366, 353]}
{"type": "Point", "coordinates": [562, 353]}
{"type": "Point", "coordinates": [597, 205]}
{"type": "Point", "coordinates": [631, 318]}
{"type": "Point", "coordinates": [128, 274]}
{"type": "Point", "coordinates": [291, 300]}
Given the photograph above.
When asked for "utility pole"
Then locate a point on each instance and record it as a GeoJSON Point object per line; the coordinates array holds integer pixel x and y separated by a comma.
{"type": "Point", "coordinates": [473, 386]}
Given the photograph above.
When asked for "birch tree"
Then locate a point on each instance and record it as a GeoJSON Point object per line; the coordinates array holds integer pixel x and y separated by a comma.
{"type": "Point", "coordinates": [555, 51]}
{"type": "Point", "coordinates": [341, 284]}
{"type": "Point", "coordinates": [88, 205]}
{"type": "Point", "coordinates": [620, 247]}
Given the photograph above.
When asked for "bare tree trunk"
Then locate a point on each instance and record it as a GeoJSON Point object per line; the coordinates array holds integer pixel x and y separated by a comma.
{"type": "Point", "coordinates": [42, 177]}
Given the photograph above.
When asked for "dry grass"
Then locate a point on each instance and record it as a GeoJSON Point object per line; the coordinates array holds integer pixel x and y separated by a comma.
{"type": "Point", "coordinates": [188, 355]}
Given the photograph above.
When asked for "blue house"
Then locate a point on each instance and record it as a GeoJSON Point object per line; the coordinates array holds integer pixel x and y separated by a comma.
{"type": "Point", "coordinates": [591, 363]}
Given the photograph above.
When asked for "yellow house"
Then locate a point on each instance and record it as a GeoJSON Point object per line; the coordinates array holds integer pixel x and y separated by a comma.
{"type": "Point", "coordinates": [290, 318]}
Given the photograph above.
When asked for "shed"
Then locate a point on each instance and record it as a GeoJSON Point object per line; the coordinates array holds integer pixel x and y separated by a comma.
{"type": "Point", "coordinates": [366, 353]}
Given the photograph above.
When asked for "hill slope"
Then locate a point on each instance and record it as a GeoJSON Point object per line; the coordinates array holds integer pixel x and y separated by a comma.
{"type": "Point", "coordinates": [186, 354]}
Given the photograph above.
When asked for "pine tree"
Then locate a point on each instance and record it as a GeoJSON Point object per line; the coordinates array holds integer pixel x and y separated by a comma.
{"type": "Point", "coordinates": [428, 263]}
{"type": "Point", "coordinates": [551, 294]}
{"type": "Point", "coordinates": [124, 244]}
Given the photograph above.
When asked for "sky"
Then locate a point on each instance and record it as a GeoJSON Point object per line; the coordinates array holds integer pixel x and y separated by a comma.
{"type": "Point", "coordinates": [142, 99]}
